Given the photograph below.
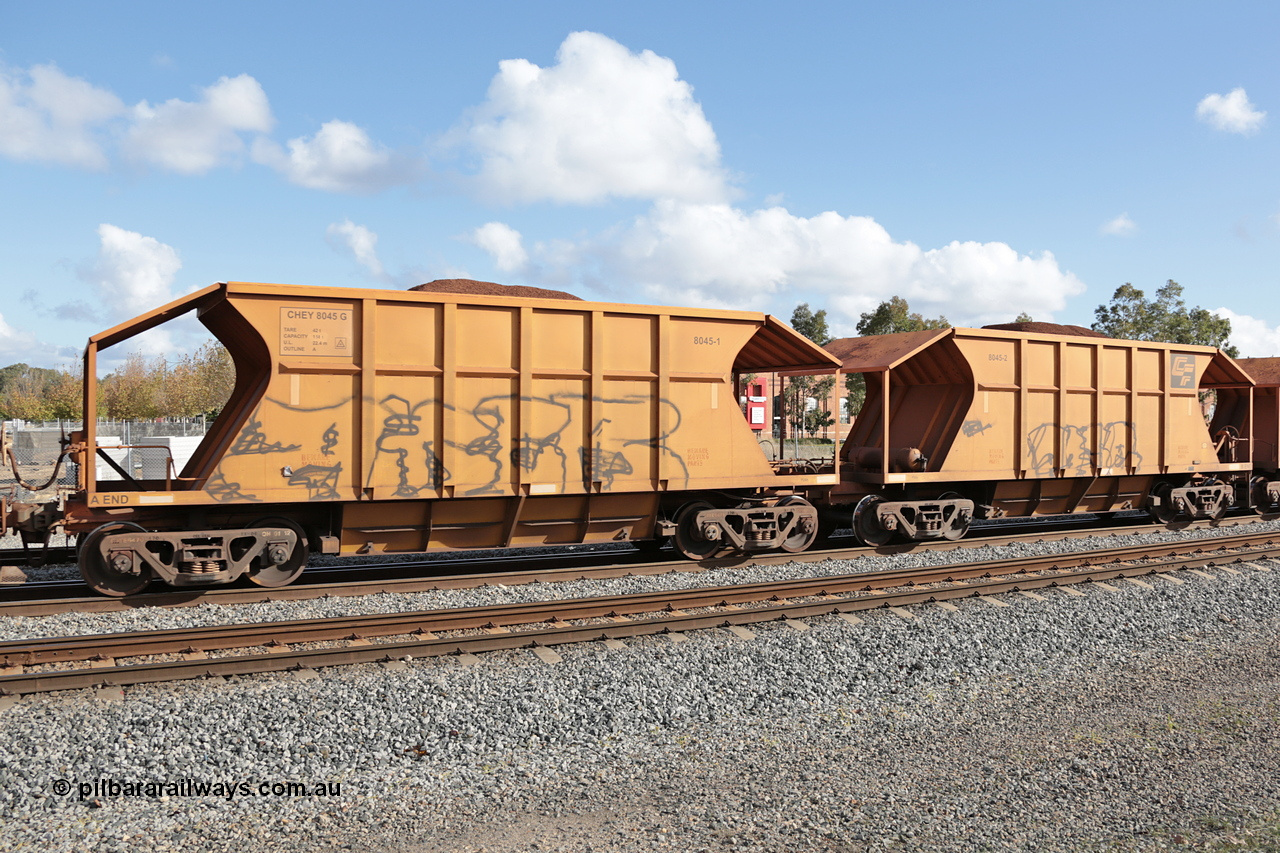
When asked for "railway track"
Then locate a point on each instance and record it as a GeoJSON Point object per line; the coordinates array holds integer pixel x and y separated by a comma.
{"type": "Point", "coordinates": [45, 556]}
{"type": "Point", "coordinates": [42, 598]}
{"type": "Point", "coordinates": [544, 624]}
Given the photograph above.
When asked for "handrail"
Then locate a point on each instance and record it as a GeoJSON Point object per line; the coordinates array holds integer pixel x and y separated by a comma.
{"type": "Point", "coordinates": [170, 471]}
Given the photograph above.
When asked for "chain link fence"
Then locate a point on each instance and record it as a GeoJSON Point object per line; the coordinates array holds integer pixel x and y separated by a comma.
{"type": "Point", "coordinates": [37, 445]}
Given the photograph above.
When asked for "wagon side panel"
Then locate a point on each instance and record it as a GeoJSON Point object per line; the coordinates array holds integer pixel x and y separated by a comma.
{"type": "Point", "coordinates": [301, 441]}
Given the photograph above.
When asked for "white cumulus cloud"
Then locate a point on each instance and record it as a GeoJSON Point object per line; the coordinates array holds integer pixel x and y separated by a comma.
{"type": "Point", "coordinates": [360, 242]}
{"type": "Point", "coordinates": [193, 137]}
{"type": "Point", "coordinates": [1121, 226]}
{"type": "Point", "coordinates": [48, 116]}
{"type": "Point", "coordinates": [20, 345]}
{"type": "Point", "coordinates": [1254, 338]}
{"type": "Point", "coordinates": [602, 122]}
{"type": "Point", "coordinates": [720, 255]}
{"type": "Point", "coordinates": [339, 158]}
{"type": "Point", "coordinates": [504, 244]}
{"type": "Point", "coordinates": [132, 273]}
{"type": "Point", "coordinates": [1231, 112]}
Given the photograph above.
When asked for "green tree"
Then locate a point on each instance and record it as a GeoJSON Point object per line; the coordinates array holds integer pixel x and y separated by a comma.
{"type": "Point", "coordinates": [803, 417]}
{"type": "Point", "coordinates": [894, 316]}
{"type": "Point", "coordinates": [190, 385]}
{"type": "Point", "coordinates": [1131, 316]}
{"type": "Point", "coordinates": [193, 384]}
{"type": "Point", "coordinates": [66, 393]}
{"type": "Point", "coordinates": [132, 391]}
{"type": "Point", "coordinates": [25, 398]}
{"type": "Point", "coordinates": [801, 389]}
{"type": "Point", "coordinates": [819, 417]}
{"type": "Point", "coordinates": [215, 376]}
{"type": "Point", "coordinates": [178, 388]}
{"type": "Point", "coordinates": [1023, 317]}
{"type": "Point", "coordinates": [11, 373]}
{"type": "Point", "coordinates": [28, 392]}
{"type": "Point", "coordinates": [812, 326]}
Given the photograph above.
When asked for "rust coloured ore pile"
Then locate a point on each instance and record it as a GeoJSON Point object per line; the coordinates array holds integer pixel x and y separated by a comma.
{"type": "Point", "coordinates": [1047, 329]}
{"type": "Point", "coordinates": [490, 288]}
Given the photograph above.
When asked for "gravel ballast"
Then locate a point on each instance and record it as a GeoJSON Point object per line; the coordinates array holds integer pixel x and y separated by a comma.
{"type": "Point", "coordinates": [1135, 719]}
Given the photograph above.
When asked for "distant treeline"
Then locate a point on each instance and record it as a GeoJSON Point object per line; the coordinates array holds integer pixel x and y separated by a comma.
{"type": "Point", "coordinates": [139, 389]}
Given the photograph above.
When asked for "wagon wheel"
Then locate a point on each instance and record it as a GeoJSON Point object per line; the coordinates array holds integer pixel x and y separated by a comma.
{"type": "Point", "coordinates": [687, 540]}
{"type": "Point", "coordinates": [866, 522]}
{"type": "Point", "coordinates": [1165, 512]}
{"type": "Point", "coordinates": [102, 577]}
{"type": "Point", "coordinates": [803, 534]}
{"type": "Point", "coordinates": [958, 527]}
{"type": "Point", "coordinates": [1258, 496]}
{"type": "Point", "coordinates": [265, 573]}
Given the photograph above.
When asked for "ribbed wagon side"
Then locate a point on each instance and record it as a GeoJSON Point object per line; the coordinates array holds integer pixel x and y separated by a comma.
{"type": "Point", "coordinates": [383, 421]}
{"type": "Point", "coordinates": [963, 423]}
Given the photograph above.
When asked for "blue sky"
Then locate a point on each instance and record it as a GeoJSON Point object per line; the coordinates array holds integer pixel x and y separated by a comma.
{"type": "Point", "coordinates": [977, 159]}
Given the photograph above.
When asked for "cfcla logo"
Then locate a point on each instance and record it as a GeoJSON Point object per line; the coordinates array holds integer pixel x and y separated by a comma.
{"type": "Point", "coordinates": [1182, 371]}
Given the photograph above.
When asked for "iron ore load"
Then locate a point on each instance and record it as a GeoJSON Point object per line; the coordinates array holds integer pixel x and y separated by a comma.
{"type": "Point", "coordinates": [469, 415]}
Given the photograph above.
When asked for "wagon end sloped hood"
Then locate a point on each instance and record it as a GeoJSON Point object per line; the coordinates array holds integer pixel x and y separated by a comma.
{"type": "Point", "coordinates": [776, 347]}
{"type": "Point", "coordinates": [199, 300]}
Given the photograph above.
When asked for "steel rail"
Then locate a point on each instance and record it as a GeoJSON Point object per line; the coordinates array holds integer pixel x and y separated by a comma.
{"type": "Point", "coordinates": [136, 644]}
{"type": "Point", "coordinates": [24, 601]}
{"type": "Point", "coordinates": [32, 652]}
{"type": "Point", "coordinates": [427, 623]}
{"type": "Point", "coordinates": [51, 554]}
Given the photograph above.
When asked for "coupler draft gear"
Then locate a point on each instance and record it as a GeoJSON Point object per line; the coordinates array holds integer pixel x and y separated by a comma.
{"type": "Point", "coordinates": [33, 522]}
